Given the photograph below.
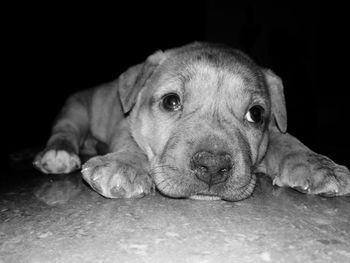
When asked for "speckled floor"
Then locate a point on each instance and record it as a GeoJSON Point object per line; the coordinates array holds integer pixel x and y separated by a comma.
{"type": "Point", "coordinates": [274, 225]}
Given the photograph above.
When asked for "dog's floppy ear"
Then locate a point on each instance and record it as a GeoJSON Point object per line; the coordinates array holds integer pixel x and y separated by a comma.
{"type": "Point", "coordinates": [278, 104]}
{"type": "Point", "coordinates": [134, 79]}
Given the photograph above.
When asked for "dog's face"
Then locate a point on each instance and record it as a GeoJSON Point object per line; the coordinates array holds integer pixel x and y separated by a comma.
{"type": "Point", "coordinates": [202, 118]}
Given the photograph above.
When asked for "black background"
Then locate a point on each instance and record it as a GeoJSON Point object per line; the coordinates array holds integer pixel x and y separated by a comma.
{"type": "Point", "coordinates": [53, 50]}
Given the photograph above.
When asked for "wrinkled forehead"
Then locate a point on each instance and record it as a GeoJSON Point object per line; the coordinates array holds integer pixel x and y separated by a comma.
{"type": "Point", "coordinates": [208, 72]}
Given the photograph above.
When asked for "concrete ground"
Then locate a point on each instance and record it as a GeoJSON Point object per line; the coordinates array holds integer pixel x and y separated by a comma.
{"type": "Point", "coordinates": [59, 219]}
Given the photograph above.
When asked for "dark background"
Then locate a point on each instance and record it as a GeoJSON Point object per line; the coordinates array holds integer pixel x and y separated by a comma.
{"type": "Point", "coordinates": [53, 50]}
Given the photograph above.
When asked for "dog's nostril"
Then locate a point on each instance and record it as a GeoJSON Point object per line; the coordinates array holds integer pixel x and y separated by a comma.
{"type": "Point", "coordinates": [203, 168]}
{"type": "Point", "coordinates": [224, 170]}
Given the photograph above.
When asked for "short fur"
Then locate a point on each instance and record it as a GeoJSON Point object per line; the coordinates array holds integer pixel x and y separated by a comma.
{"type": "Point", "coordinates": [208, 148]}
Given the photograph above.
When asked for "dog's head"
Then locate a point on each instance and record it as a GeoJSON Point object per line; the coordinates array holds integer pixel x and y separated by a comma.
{"type": "Point", "coordinates": [202, 114]}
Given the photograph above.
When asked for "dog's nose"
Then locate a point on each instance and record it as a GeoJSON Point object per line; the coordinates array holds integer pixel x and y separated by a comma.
{"type": "Point", "coordinates": [211, 168]}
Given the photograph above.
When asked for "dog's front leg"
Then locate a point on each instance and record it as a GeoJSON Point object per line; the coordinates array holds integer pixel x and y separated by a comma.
{"type": "Point", "coordinates": [290, 163]}
{"type": "Point", "coordinates": [68, 133]}
{"type": "Point", "coordinates": [123, 173]}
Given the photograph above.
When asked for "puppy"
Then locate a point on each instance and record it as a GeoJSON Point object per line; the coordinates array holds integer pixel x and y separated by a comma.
{"type": "Point", "coordinates": [197, 121]}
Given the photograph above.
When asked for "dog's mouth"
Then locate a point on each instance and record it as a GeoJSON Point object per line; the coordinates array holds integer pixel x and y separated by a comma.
{"type": "Point", "coordinates": [205, 197]}
{"type": "Point", "coordinates": [183, 183]}
{"type": "Point", "coordinates": [237, 194]}
{"type": "Point", "coordinates": [175, 186]}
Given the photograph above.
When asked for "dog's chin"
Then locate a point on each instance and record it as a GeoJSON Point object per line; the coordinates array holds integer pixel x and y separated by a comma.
{"type": "Point", "coordinates": [242, 192]}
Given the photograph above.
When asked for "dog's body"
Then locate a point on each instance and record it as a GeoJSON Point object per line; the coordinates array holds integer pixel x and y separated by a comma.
{"type": "Point", "coordinates": [197, 121]}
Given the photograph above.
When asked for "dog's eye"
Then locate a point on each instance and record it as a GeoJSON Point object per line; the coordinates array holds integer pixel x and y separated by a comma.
{"type": "Point", "coordinates": [255, 114]}
{"type": "Point", "coordinates": [171, 102]}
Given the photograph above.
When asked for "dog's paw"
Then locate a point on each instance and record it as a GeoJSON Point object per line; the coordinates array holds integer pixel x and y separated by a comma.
{"type": "Point", "coordinates": [114, 179]}
{"type": "Point", "coordinates": [56, 162]}
{"type": "Point", "coordinates": [314, 174]}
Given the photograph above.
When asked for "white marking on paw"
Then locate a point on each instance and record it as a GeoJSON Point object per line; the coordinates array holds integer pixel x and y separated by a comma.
{"type": "Point", "coordinates": [57, 162]}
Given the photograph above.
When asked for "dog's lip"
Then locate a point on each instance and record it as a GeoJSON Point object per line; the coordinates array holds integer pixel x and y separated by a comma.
{"type": "Point", "coordinates": [205, 197]}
